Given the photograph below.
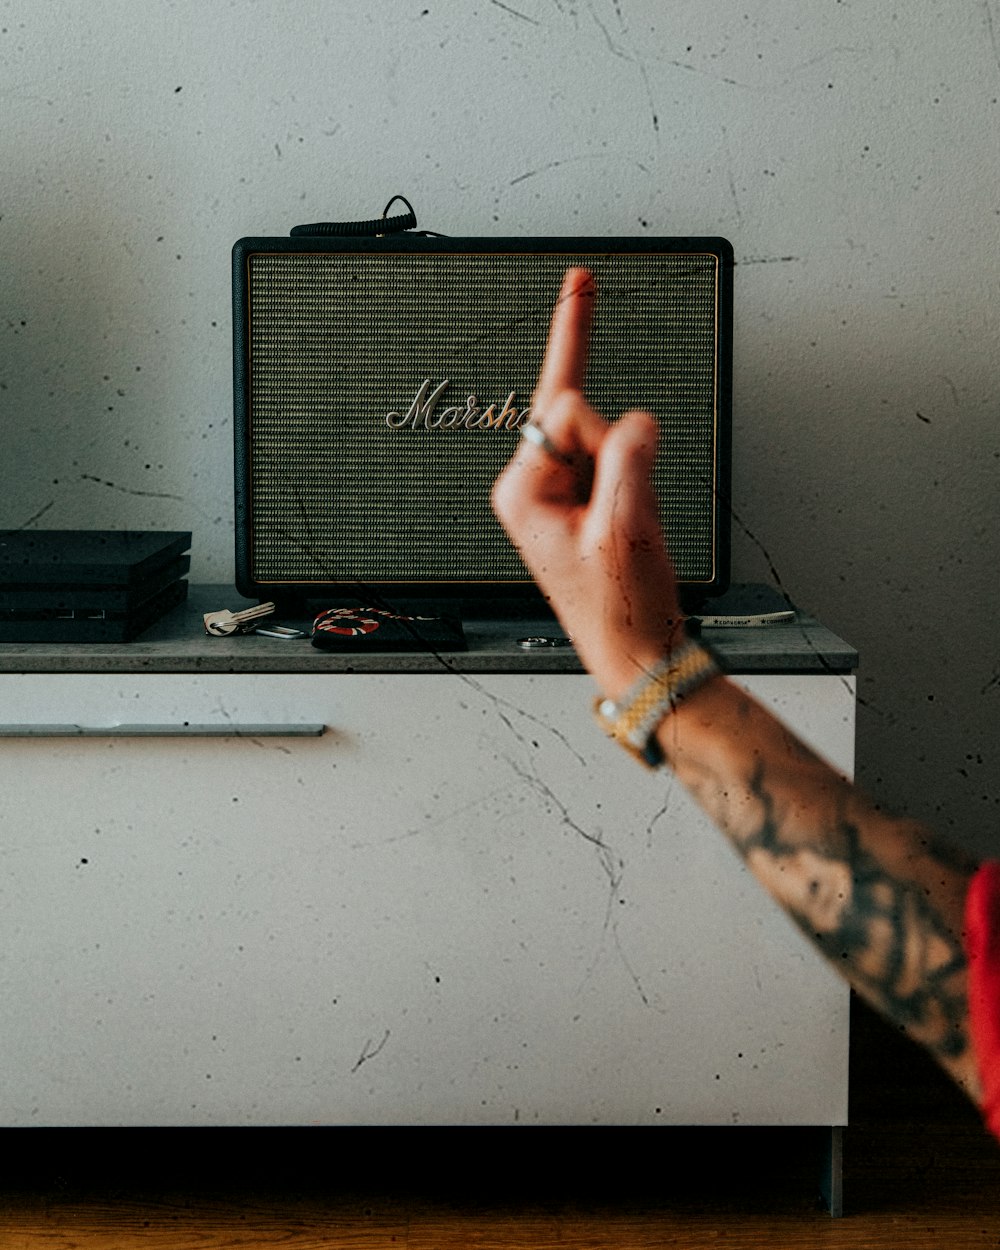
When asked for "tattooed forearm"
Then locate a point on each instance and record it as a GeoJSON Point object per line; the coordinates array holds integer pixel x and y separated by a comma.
{"type": "Point", "coordinates": [879, 928]}
{"type": "Point", "coordinates": [880, 897]}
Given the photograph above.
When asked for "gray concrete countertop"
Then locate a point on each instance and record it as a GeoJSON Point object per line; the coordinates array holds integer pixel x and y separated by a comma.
{"type": "Point", "coordinates": [178, 644]}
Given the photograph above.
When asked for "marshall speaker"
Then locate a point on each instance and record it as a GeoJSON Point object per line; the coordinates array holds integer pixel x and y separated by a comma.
{"type": "Point", "coordinates": [380, 383]}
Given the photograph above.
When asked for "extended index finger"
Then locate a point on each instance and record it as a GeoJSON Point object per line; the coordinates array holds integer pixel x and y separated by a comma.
{"type": "Point", "coordinates": [565, 362]}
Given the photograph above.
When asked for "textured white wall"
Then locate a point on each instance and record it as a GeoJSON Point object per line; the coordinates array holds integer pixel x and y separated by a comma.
{"type": "Point", "coordinates": [849, 150]}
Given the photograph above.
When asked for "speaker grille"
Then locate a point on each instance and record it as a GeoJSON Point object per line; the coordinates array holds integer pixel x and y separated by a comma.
{"type": "Point", "coordinates": [337, 341]}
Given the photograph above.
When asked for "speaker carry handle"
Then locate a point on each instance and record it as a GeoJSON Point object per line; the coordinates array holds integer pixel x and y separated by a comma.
{"type": "Point", "coordinates": [399, 224]}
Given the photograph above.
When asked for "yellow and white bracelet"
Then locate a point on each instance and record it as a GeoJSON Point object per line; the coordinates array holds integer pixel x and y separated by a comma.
{"type": "Point", "coordinates": [634, 719]}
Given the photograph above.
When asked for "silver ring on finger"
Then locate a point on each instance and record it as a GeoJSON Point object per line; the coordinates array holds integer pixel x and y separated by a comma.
{"type": "Point", "coordinates": [536, 435]}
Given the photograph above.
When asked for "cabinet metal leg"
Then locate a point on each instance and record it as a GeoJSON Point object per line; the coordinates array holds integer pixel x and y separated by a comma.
{"type": "Point", "coordinates": [831, 1181]}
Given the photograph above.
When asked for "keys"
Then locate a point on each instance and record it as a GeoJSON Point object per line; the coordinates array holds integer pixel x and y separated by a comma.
{"type": "Point", "coordinates": [225, 622]}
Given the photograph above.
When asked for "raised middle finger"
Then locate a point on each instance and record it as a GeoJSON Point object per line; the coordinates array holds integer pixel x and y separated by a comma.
{"type": "Point", "coordinates": [564, 365]}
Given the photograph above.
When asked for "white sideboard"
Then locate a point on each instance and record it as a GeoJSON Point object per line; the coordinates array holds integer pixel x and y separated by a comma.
{"type": "Point", "coordinates": [386, 897]}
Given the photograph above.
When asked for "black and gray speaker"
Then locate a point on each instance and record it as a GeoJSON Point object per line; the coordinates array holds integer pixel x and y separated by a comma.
{"type": "Point", "coordinates": [380, 383]}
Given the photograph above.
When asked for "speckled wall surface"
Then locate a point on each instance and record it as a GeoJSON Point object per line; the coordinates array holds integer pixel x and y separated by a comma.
{"type": "Point", "coordinates": [849, 150]}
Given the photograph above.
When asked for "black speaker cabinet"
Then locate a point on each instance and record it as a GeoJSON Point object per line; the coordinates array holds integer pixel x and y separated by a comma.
{"type": "Point", "coordinates": [380, 383]}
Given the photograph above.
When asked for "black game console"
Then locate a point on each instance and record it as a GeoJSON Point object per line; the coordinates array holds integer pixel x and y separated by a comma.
{"type": "Point", "coordinates": [88, 585]}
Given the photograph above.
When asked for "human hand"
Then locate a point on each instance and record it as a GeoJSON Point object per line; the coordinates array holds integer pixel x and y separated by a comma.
{"type": "Point", "coordinates": [585, 520]}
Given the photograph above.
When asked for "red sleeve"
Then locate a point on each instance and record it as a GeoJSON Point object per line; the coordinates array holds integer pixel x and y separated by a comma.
{"type": "Point", "coordinates": [982, 939]}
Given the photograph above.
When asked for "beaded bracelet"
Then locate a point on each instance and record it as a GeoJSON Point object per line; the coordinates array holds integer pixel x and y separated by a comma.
{"type": "Point", "coordinates": [633, 719]}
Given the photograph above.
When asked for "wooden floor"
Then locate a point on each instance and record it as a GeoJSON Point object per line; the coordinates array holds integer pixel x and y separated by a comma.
{"type": "Point", "coordinates": [919, 1173]}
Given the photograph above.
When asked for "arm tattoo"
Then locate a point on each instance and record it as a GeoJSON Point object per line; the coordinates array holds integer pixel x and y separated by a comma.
{"type": "Point", "coordinates": [878, 926]}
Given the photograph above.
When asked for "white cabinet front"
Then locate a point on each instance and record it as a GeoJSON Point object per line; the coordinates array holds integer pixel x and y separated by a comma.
{"type": "Point", "coordinates": [458, 905]}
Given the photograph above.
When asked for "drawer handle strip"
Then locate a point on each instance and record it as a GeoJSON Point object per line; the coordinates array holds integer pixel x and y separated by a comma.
{"type": "Point", "coordinates": [162, 731]}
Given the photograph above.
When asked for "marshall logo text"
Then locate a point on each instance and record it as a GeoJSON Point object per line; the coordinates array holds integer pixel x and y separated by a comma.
{"type": "Point", "coordinates": [422, 414]}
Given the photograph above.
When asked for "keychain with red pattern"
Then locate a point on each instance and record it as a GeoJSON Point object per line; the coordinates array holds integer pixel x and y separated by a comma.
{"type": "Point", "coordinates": [349, 622]}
